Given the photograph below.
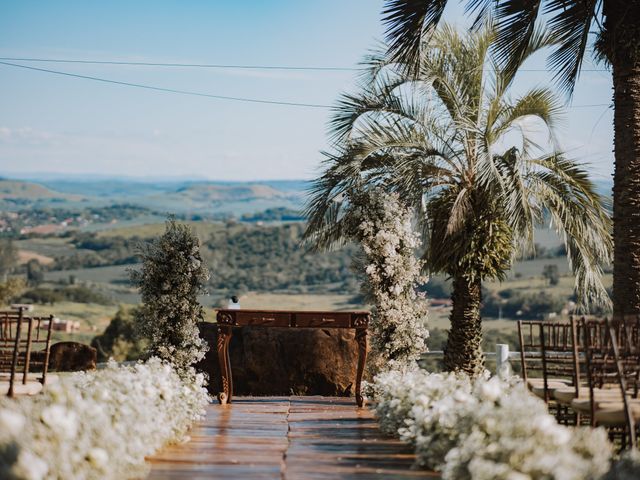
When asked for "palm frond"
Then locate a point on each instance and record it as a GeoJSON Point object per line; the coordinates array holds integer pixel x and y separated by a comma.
{"type": "Point", "coordinates": [541, 103]}
{"type": "Point", "coordinates": [578, 214]}
{"type": "Point", "coordinates": [570, 23]}
{"type": "Point", "coordinates": [406, 22]}
{"type": "Point", "coordinates": [515, 24]}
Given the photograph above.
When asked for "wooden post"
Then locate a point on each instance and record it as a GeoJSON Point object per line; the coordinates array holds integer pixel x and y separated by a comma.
{"type": "Point", "coordinates": [47, 351]}
{"type": "Point", "coordinates": [361, 338]}
{"type": "Point", "coordinates": [27, 355]}
{"type": "Point", "coordinates": [14, 360]}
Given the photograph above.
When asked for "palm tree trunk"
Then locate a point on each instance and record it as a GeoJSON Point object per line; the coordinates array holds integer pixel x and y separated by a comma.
{"type": "Point", "coordinates": [463, 351]}
{"type": "Point", "coordinates": [622, 34]}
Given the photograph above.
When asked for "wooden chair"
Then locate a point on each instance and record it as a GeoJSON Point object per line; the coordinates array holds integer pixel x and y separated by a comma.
{"type": "Point", "coordinates": [566, 359]}
{"type": "Point", "coordinates": [25, 343]}
{"type": "Point", "coordinates": [537, 369]}
{"type": "Point", "coordinates": [530, 353]}
{"type": "Point", "coordinates": [621, 417]}
{"type": "Point", "coordinates": [611, 362]}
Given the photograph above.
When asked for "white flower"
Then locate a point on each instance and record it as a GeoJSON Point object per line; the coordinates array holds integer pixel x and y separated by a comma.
{"type": "Point", "coordinates": [491, 390]}
{"type": "Point", "coordinates": [11, 423]}
{"type": "Point", "coordinates": [30, 467]}
{"type": "Point", "coordinates": [98, 458]}
{"type": "Point", "coordinates": [484, 430]}
{"type": "Point", "coordinates": [102, 424]}
{"type": "Point", "coordinates": [61, 419]}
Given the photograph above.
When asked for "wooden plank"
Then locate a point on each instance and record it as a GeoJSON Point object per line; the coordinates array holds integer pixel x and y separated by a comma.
{"type": "Point", "coordinates": [287, 438]}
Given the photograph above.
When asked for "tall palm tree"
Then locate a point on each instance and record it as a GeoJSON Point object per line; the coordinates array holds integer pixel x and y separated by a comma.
{"type": "Point", "coordinates": [455, 145]}
{"type": "Point", "coordinates": [617, 25]}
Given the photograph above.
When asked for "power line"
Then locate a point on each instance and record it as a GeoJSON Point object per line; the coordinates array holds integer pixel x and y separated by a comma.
{"type": "Point", "coordinates": [246, 67]}
{"type": "Point", "coordinates": [169, 90]}
{"type": "Point", "coordinates": [200, 94]}
{"type": "Point", "coordinates": [181, 65]}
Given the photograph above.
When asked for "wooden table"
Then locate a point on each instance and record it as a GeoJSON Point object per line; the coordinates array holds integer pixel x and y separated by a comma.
{"type": "Point", "coordinates": [227, 319]}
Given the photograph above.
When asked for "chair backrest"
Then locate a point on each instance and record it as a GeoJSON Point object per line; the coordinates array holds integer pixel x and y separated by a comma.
{"type": "Point", "coordinates": [559, 350]}
{"type": "Point", "coordinates": [627, 366]}
{"type": "Point", "coordinates": [530, 348]}
{"type": "Point", "coordinates": [21, 336]}
{"type": "Point", "coordinates": [609, 357]}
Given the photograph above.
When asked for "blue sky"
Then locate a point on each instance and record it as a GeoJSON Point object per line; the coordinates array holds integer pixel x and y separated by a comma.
{"type": "Point", "coordinates": [63, 125]}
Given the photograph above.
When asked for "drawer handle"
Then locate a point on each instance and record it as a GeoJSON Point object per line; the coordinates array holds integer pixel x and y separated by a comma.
{"type": "Point", "coordinates": [328, 320]}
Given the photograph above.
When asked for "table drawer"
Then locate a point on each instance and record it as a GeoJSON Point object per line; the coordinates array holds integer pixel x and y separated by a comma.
{"type": "Point", "coordinates": [263, 319]}
{"type": "Point", "coordinates": [327, 319]}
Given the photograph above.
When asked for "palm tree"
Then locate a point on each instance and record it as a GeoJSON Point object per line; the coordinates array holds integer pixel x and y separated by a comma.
{"type": "Point", "coordinates": [456, 147]}
{"type": "Point", "coordinates": [617, 24]}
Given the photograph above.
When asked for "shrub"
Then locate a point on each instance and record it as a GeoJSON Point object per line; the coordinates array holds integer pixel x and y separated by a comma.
{"type": "Point", "coordinates": [120, 340]}
{"type": "Point", "coordinates": [170, 279]}
{"type": "Point", "coordinates": [80, 294]}
{"type": "Point", "coordinates": [11, 289]}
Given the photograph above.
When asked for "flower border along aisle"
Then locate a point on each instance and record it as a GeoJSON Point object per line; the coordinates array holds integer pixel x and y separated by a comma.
{"type": "Point", "coordinates": [381, 224]}
{"type": "Point", "coordinates": [485, 429]}
{"type": "Point", "coordinates": [99, 425]}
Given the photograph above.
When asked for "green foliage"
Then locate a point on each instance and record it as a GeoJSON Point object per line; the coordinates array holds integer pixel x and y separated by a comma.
{"type": "Point", "coordinates": [437, 287]}
{"type": "Point", "coordinates": [35, 273]}
{"type": "Point", "coordinates": [551, 273]}
{"type": "Point", "coordinates": [95, 251]}
{"type": "Point", "coordinates": [523, 305]}
{"type": "Point", "coordinates": [8, 257]}
{"type": "Point", "coordinates": [120, 339]}
{"type": "Point", "coordinates": [77, 294]}
{"type": "Point", "coordinates": [170, 279]}
{"type": "Point", "coordinates": [271, 258]}
{"type": "Point", "coordinates": [484, 244]}
{"type": "Point", "coordinates": [278, 214]}
{"type": "Point", "coordinates": [244, 257]}
{"type": "Point", "coordinates": [11, 290]}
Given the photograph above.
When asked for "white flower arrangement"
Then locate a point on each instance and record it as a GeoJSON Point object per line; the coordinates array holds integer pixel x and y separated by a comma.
{"type": "Point", "coordinates": [485, 428]}
{"type": "Point", "coordinates": [98, 425]}
{"type": "Point", "coordinates": [392, 274]}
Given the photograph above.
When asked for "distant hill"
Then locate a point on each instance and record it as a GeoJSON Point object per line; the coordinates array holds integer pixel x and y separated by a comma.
{"type": "Point", "coordinates": [207, 192]}
{"type": "Point", "coordinates": [228, 198]}
{"type": "Point", "coordinates": [27, 191]}
{"type": "Point", "coordinates": [15, 189]}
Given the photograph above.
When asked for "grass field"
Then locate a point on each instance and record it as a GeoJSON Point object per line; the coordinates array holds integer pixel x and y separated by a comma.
{"type": "Point", "coordinates": [148, 230]}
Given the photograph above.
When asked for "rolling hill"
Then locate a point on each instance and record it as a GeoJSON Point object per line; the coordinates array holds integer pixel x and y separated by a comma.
{"type": "Point", "coordinates": [19, 190]}
{"type": "Point", "coordinates": [190, 197]}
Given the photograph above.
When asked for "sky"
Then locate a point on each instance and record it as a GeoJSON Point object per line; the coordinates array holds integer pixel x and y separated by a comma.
{"type": "Point", "coordinates": [66, 126]}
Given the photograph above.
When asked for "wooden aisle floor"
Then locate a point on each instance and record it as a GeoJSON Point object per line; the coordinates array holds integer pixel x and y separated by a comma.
{"type": "Point", "coordinates": [287, 438]}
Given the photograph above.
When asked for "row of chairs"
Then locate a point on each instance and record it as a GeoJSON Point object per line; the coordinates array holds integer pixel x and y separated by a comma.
{"type": "Point", "coordinates": [587, 370]}
{"type": "Point", "coordinates": [25, 343]}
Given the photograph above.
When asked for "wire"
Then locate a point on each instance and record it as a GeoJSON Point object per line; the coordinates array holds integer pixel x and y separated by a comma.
{"type": "Point", "coordinates": [185, 65]}
{"type": "Point", "coordinates": [214, 65]}
{"type": "Point", "coordinates": [208, 95]}
{"type": "Point", "coordinates": [169, 90]}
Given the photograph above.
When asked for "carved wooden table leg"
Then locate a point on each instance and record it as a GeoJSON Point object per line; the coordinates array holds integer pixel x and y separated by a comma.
{"type": "Point", "coordinates": [361, 338]}
{"type": "Point", "coordinates": [224, 337]}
